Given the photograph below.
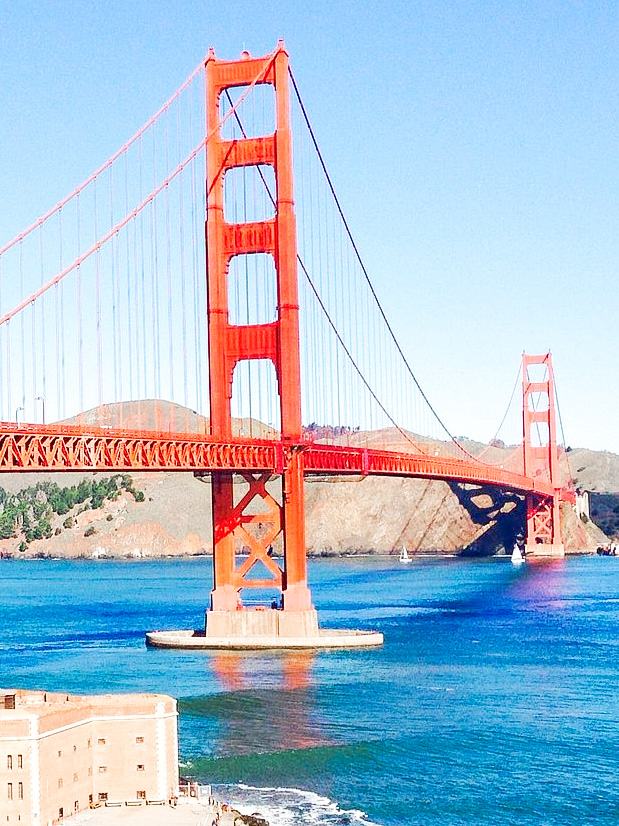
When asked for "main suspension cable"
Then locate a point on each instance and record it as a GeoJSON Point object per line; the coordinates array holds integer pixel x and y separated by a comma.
{"type": "Point", "coordinates": [365, 272]}
{"type": "Point", "coordinates": [322, 305]}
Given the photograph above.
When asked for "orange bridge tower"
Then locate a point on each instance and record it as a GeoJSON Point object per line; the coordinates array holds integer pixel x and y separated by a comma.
{"type": "Point", "coordinates": [541, 459]}
{"type": "Point", "coordinates": [254, 517]}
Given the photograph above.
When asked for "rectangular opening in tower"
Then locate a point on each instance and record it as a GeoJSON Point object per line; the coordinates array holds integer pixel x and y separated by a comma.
{"type": "Point", "coordinates": [538, 402]}
{"type": "Point", "coordinates": [539, 434]}
{"type": "Point", "coordinates": [254, 114]}
{"type": "Point", "coordinates": [537, 372]}
{"type": "Point", "coordinates": [255, 400]}
{"type": "Point", "coordinates": [252, 289]}
{"type": "Point", "coordinates": [249, 194]}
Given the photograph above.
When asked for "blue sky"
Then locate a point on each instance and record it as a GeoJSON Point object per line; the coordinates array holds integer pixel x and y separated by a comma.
{"type": "Point", "coordinates": [474, 146]}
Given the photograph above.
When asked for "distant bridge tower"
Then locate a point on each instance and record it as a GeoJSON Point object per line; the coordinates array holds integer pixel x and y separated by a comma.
{"type": "Point", "coordinates": [541, 459]}
{"type": "Point", "coordinates": [255, 518]}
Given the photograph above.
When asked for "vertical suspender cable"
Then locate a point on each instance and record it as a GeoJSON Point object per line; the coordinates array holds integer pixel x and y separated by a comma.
{"type": "Point", "coordinates": [79, 313]}
{"type": "Point", "coordinates": [170, 354]}
{"type": "Point", "coordinates": [155, 274]}
{"type": "Point", "coordinates": [143, 277]}
{"type": "Point", "coordinates": [114, 275]}
{"type": "Point", "coordinates": [62, 389]}
{"type": "Point", "coordinates": [133, 229]}
{"type": "Point", "coordinates": [8, 369]}
{"type": "Point", "coordinates": [197, 321]}
{"type": "Point", "coordinates": [42, 331]}
{"type": "Point", "coordinates": [98, 308]}
{"type": "Point", "coordinates": [128, 273]}
{"type": "Point", "coordinates": [22, 328]}
{"type": "Point", "coordinates": [181, 200]}
{"type": "Point", "coordinates": [3, 416]}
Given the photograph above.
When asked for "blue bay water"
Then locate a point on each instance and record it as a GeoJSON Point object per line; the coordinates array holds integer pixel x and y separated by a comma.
{"type": "Point", "coordinates": [495, 699]}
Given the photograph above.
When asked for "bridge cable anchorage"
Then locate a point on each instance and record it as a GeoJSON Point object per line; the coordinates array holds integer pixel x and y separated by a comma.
{"type": "Point", "coordinates": [323, 307]}
{"type": "Point", "coordinates": [131, 215]}
{"type": "Point", "coordinates": [367, 277]}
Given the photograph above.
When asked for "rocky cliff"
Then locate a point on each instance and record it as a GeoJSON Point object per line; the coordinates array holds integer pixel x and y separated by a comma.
{"type": "Point", "coordinates": [343, 515]}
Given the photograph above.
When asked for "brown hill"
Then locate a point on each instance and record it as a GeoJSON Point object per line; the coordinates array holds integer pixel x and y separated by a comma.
{"type": "Point", "coordinates": [344, 514]}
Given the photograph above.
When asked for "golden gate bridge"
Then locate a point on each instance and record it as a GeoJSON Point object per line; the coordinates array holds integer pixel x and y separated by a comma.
{"type": "Point", "coordinates": [103, 304]}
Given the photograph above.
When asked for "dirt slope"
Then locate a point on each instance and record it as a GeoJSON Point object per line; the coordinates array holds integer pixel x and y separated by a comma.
{"type": "Point", "coordinates": [344, 515]}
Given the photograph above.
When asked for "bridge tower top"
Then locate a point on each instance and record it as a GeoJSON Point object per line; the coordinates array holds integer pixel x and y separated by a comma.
{"type": "Point", "coordinates": [539, 413]}
{"type": "Point", "coordinates": [277, 341]}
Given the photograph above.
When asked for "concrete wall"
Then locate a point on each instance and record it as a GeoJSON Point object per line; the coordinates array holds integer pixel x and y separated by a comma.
{"type": "Point", "coordinates": [59, 753]}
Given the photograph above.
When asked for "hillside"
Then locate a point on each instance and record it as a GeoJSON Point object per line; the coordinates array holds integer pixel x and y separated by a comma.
{"type": "Point", "coordinates": [171, 513]}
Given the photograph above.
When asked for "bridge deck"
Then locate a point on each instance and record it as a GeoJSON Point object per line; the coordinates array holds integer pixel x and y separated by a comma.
{"type": "Point", "coordinates": [29, 448]}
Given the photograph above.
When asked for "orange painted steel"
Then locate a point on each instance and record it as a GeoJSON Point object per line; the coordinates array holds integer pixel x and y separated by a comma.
{"type": "Point", "coordinates": [28, 448]}
{"type": "Point", "coordinates": [277, 341]}
{"type": "Point", "coordinates": [58, 448]}
{"type": "Point", "coordinates": [541, 460]}
{"type": "Point", "coordinates": [333, 459]}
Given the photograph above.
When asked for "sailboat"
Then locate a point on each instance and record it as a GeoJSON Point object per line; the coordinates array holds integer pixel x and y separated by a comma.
{"type": "Point", "coordinates": [404, 557]}
{"type": "Point", "coordinates": [517, 556]}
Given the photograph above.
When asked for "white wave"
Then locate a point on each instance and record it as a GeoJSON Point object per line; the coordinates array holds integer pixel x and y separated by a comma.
{"type": "Point", "coordinates": [284, 806]}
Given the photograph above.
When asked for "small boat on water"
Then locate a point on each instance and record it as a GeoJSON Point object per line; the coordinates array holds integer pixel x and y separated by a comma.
{"type": "Point", "coordinates": [404, 557]}
{"type": "Point", "coordinates": [517, 556]}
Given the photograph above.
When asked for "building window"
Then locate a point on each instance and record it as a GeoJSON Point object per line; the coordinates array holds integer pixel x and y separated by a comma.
{"type": "Point", "coordinates": [20, 791]}
{"type": "Point", "coordinates": [9, 761]}
{"type": "Point", "coordinates": [140, 767]}
{"type": "Point", "coordinates": [89, 744]}
{"type": "Point", "coordinates": [89, 771]}
{"type": "Point", "coordinates": [59, 753]}
{"type": "Point", "coordinates": [102, 769]}
{"type": "Point", "coordinates": [20, 761]}
{"type": "Point", "coordinates": [139, 739]}
{"type": "Point", "coordinates": [10, 791]}
{"type": "Point", "coordinates": [101, 741]}
{"type": "Point", "coordinates": [74, 749]}
{"type": "Point", "coordinates": [141, 794]}
{"type": "Point", "coordinates": [60, 782]}
{"type": "Point", "coordinates": [74, 777]}
{"type": "Point", "coordinates": [102, 795]}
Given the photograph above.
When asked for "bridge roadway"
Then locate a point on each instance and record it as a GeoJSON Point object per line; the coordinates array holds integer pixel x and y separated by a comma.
{"type": "Point", "coordinates": [30, 448]}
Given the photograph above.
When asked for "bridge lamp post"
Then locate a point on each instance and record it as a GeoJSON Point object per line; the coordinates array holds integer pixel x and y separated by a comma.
{"type": "Point", "coordinates": [42, 400]}
{"type": "Point", "coordinates": [23, 409]}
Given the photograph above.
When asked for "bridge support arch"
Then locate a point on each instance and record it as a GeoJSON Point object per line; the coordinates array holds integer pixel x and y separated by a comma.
{"type": "Point", "coordinates": [541, 459]}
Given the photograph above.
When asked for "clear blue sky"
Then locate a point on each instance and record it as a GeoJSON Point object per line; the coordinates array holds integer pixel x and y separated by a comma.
{"type": "Point", "coordinates": [474, 146]}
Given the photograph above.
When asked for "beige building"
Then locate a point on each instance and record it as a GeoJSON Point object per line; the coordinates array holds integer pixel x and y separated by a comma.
{"type": "Point", "coordinates": [60, 754]}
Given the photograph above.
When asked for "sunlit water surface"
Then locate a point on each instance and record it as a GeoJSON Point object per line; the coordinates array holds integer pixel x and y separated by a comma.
{"type": "Point", "coordinates": [495, 699]}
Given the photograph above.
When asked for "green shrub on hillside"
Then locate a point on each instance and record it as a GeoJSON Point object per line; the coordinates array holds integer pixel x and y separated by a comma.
{"type": "Point", "coordinates": [30, 511]}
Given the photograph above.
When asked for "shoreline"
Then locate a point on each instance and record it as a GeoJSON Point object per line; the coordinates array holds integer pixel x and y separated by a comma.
{"type": "Point", "coordinates": [423, 555]}
{"type": "Point", "coordinates": [188, 811]}
{"type": "Point", "coordinates": [324, 556]}
{"type": "Point", "coordinates": [189, 557]}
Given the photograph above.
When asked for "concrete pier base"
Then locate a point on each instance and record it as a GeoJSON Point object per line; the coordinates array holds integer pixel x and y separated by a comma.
{"type": "Point", "coordinates": [547, 550]}
{"type": "Point", "coordinates": [267, 622]}
{"type": "Point", "coordinates": [269, 628]}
